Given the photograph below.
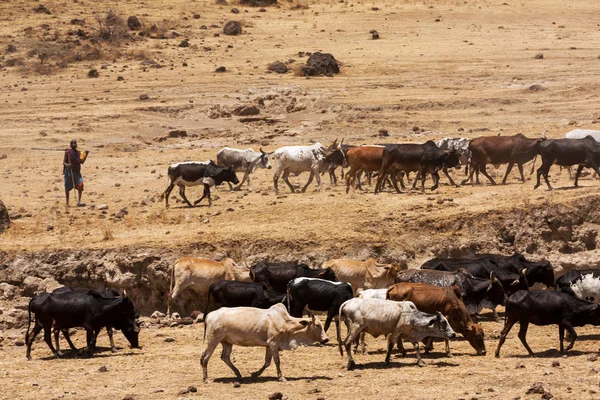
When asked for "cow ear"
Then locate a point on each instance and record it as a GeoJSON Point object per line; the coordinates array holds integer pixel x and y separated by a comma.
{"type": "Point", "coordinates": [515, 282]}
{"type": "Point", "coordinates": [432, 321]}
{"type": "Point", "coordinates": [304, 322]}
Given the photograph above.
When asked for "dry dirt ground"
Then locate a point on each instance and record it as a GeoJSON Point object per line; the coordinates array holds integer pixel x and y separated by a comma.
{"type": "Point", "coordinates": [440, 68]}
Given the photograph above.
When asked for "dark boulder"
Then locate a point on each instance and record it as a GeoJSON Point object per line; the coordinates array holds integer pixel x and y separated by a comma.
{"type": "Point", "coordinates": [278, 67]}
{"type": "Point", "coordinates": [258, 3]}
{"type": "Point", "coordinates": [134, 23]}
{"type": "Point", "coordinates": [232, 28]}
{"type": "Point", "coordinates": [320, 64]}
{"type": "Point", "coordinates": [4, 218]}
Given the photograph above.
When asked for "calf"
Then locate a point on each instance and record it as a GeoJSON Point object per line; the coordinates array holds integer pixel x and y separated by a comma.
{"type": "Point", "coordinates": [461, 145]}
{"type": "Point", "coordinates": [273, 328]}
{"type": "Point", "coordinates": [367, 274]}
{"type": "Point", "coordinates": [567, 152]}
{"type": "Point", "coordinates": [372, 294]}
{"type": "Point", "coordinates": [547, 308]}
{"type": "Point", "coordinates": [278, 275]}
{"type": "Point", "coordinates": [197, 173]}
{"type": "Point", "coordinates": [581, 283]}
{"type": "Point", "coordinates": [246, 161]}
{"type": "Point", "coordinates": [446, 300]}
{"type": "Point", "coordinates": [227, 293]}
{"type": "Point", "coordinates": [318, 295]}
{"type": "Point", "coordinates": [362, 158]}
{"type": "Point", "coordinates": [91, 311]}
{"type": "Point", "coordinates": [398, 319]}
{"type": "Point", "coordinates": [337, 159]}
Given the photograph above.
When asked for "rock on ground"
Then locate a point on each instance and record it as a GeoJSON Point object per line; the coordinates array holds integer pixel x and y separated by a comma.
{"type": "Point", "coordinates": [4, 218]}
{"type": "Point", "coordinates": [321, 64]}
{"type": "Point", "coordinates": [232, 28]}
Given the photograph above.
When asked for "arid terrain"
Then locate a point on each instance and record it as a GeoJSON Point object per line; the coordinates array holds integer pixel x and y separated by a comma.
{"type": "Point", "coordinates": [439, 69]}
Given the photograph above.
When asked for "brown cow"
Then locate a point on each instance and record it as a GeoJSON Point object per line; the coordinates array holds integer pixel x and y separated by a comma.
{"type": "Point", "coordinates": [363, 274]}
{"type": "Point", "coordinates": [201, 273]}
{"type": "Point", "coordinates": [448, 301]}
{"type": "Point", "coordinates": [362, 158]}
{"type": "Point", "coordinates": [511, 150]}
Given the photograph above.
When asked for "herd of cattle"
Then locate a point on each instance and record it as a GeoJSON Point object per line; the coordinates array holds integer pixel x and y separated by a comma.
{"type": "Point", "coordinates": [263, 305]}
{"type": "Point", "coordinates": [392, 161]}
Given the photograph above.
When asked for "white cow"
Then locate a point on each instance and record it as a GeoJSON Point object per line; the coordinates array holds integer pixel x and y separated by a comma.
{"type": "Point", "coordinates": [273, 328]}
{"type": "Point", "coordinates": [461, 145]}
{"type": "Point", "coordinates": [587, 288]}
{"type": "Point", "coordinates": [298, 159]}
{"type": "Point", "coordinates": [372, 294]}
{"type": "Point", "coordinates": [245, 161]}
{"type": "Point", "coordinates": [399, 319]}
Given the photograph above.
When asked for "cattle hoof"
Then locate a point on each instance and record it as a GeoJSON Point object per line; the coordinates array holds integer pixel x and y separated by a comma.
{"type": "Point", "coordinates": [282, 379]}
{"type": "Point", "coordinates": [207, 381]}
{"type": "Point", "coordinates": [114, 350]}
{"type": "Point", "coordinates": [420, 363]}
{"type": "Point", "coordinates": [449, 355]}
{"type": "Point", "coordinates": [351, 366]}
{"type": "Point", "coordinates": [29, 358]}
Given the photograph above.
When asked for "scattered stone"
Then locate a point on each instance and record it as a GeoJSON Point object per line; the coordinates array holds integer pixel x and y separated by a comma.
{"type": "Point", "coordinates": [103, 369]}
{"type": "Point", "coordinates": [275, 396]}
{"type": "Point", "coordinates": [220, 69]}
{"type": "Point", "coordinates": [175, 315]}
{"type": "Point", "coordinates": [184, 391]}
{"type": "Point", "coordinates": [222, 2]}
{"type": "Point", "coordinates": [415, 129]}
{"type": "Point", "coordinates": [4, 217]}
{"type": "Point", "coordinates": [384, 133]}
{"type": "Point", "coordinates": [192, 389]}
{"type": "Point", "coordinates": [169, 340]}
{"type": "Point", "coordinates": [374, 34]}
{"type": "Point", "coordinates": [157, 314]}
{"type": "Point", "coordinates": [236, 384]}
{"type": "Point", "coordinates": [102, 207]}
{"type": "Point", "coordinates": [144, 97]}
{"type": "Point", "coordinates": [120, 78]}
{"type": "Point", "coordinates": [539, 56]}
{"type": "Point", "coordinates": [19, 342]}
{"type": "Point", "coordinates": [258, 3]}
{"type": "Point", "coordinates": [245, 110]}
{"type": "Point", "coordinates": [232, 28]}
{"type": "Point", "coordinates": [593, 358]}
{"type": "Point", "coordinates": [555, 364]}
{"type": "Point", "coordinates": [196, 16]}
{"type": "Point", "coordinates": [235, 11]}
{"type": "Point", "coordinates": [321, 64]}
{"type": "Point", "coordinates": [177, 134]}
{"type": "Point", "coordinates": [93, 73]}
{"type": "Point", "coordinates": [134, 23]}
{"type": "Point", "coordinates": [278, 67]}
{"type": "Point", "coordinates": [50, 228]}
{"type": "Point", "coordinates": [536, 388]}
{"type": "Point", "coordinates": [42, 9]}
{"type": "Point", "coordinates": [184, 43]}
{"type": "Point", "coordinates": [536, 88]}
{"type": "Point", "coordinates": [547, 396]}
{"type": "Point", "coordinates": [11, 48]}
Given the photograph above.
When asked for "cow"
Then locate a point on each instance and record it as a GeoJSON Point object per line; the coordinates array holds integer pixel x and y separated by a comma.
{"type": "Point", "coordinates": [246, 161]}
{"type": "Point", "coordinates": [273, 328]}
{"type": "Point", "coordinates": [476, 293]}
{"type": "Point", "coordinates": [197, 173]}
{"type": "Point", "coordinates": [461, 145]}
{"type": "Point", "coordinates": [90, 310]}
{"type": "Point", "coordinates": [580, 134]}
{"type": "Point", "coordinates": [108, 293]}
{"type": "Point", "coordinates": [446, 300]}
{"type": "Point", "coordinates": [337, 159]}
{"type": "Point", "coordinates": [541, 307]}
{"type": "Point", "coordinates": [365, 158]}
{"type": "Point", "coordinates": [398, 320]}
{"type": "Point", "coordinates": [481, 265]}
{"type": "Point", "coordinates": [363, 274]}
{"type": "Point", "coordinates": [228, 293]}
{"type": "Point", "coordinates": [423, 158]}
{"type": "Point", "coordinates": [318, 295]}
{"type": "Point", "coordinates": [372, 294]}
{"type": "Point", "coordinates": [298, 159]}
{"type": "Point", "coordinates": [200, 273]}
{"type": "Point", "coordinates": [581, 283]}
{"type": "Point", "coordinates": [278, 275]}
{"type": "Point", "coordinates": [511, 150]}
{"type": "Point", "coordinates": [568, 152]}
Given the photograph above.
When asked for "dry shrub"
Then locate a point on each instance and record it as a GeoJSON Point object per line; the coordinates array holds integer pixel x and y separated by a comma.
{"type": "Point", "coordinates": [107, 234]}
{"type": "Point", "coordinates": [158, 30]}
{"type": "Point", "coordinates": [138, 54]}
{"type": "Point", "coordinates": [112, 28]}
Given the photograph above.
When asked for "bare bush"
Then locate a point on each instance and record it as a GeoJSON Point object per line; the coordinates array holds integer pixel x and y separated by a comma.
{"type": "Point", "coordinates": [112, 28]}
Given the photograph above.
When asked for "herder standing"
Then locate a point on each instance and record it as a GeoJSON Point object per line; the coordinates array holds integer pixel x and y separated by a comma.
{"type": "Point", "coordinates": [72, 171]}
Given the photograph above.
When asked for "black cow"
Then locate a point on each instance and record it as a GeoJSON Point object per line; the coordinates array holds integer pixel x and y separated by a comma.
{"type": "Point", "coordinates": [194, 174]}
{"type": "Point", "coordinates": [277, 275]}
{"type": "Point", "coordinates": [423, 158]}
{"type": "Point", "coordinates": [476, 293]}
{"type": "Point", "coordinates": [108, 293]}
{"type": "Point", "coordinates": [568, 152]}
{"type": "Point", "coordinates": [318, 295]}
{"type": "Point", "coordinates": [91, 311]}
{"type": "Point", "coordinates": [581, 283]}
{"type": "Point", "coordinates": [540, 307]}
{"type": "Point", "coordinates": [337, 159]}
{"type": "Point", "coordinates": [242, 294]}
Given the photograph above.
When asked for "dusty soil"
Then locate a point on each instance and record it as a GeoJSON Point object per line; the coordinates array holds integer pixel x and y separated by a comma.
{"type": "Point", "coordinates": [440, 68]}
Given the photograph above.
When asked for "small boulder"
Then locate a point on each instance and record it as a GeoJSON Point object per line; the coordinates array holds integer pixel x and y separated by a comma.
{"type": "Point", "coordinates": [232, 28]}
{"type": "Point", "coordinates": [4, 218]}
{"type": "Point", "coordinates": [157, 314]}
{"type": "Point", "coordinates": [221, 69]}
{"type": "Point", "coordinates": [102, 207]}
{"type": "Point", "coordinates": [374, 34]}
{"type": "Point", "coordinates": [539, 56]}
{"type": "Point", "coordinates": [276, 396]}
{"type": "Point", "coordinates": [184, 43]}
{"type": "Point", "coordinates": [243, 111]}
{"type": "Point", "coordinates": [258, 3]}
{"type": "Point", "coordinates": [103, 369]}
{"type": "Point", "coordinates": [235, 11]}
{"type": "Point", "coordinates": [93, 73]}
{"type": "Point", "coordinates": [177, 134]}
{"type": "Point", "coordinates": [144, 97]}
{"type": "Point", "coordinates": [320, 64]}
{"type": "Point", "coordinates": [536, 88]}
{"type": "Point", "coordinates": [278, 67]}
{"type": "Point", "coordinates": [134, 23]}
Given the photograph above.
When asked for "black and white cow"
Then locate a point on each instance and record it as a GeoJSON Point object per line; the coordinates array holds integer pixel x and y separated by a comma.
{"type": "Point", "coordinates": [277, 275]}
{"type": "Point", "coordinates": [318, 295]}
{"type": "Point", "coordinates": [461, 145]}
{"type": "Point", "coordinates": [581, 283]}
{"type": "Point", "coordinates": [197, 173]}
{"type": "Point", "coordinates": [246, 161]}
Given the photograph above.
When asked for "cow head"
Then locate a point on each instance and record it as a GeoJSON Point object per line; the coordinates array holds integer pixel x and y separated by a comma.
{"type": "Point", "coordinates": [542, 272]}
{"type": "Point", "coordinates": [311, 331]}
{"type": "Point", "coordinates": [327, 274]}
{"type": "Point", "coordinates": [474, 334]}
{"type": "Point", "coordinates": [495, 292]}
{"type": "Point", "coordinates": [264, 160]}
{"type": "Point", "coordinates": [452, 159]}
{"type": "Point", "coordinates": [127, 322]}
{"type": "Point", "coordinates": [440, 323]}
{"type": "Point", "coordinates": [226, 175]}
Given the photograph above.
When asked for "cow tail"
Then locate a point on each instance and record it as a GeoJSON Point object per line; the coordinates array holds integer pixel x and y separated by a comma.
{"type": "Point", "coordinates": [170, 290]}
{"type": "Point", "coordinates": [28, 321]}
{"type": "Point", "coordinates": [289, 297]}
{"type": "Point", "coordinates": [207, 304]}
{"type": "Point", "coordinates": [162, 195]}
{"type": "Point", "coordinates": [339, 338]}
{"type": "Point", "coordinates": [533, 165]}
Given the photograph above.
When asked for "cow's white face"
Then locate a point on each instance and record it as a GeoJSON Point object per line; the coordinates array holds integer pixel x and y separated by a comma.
{"type": "Point", "coordinates": [588, 288]}
{"type": "Point", "coordinates": [264, 160]}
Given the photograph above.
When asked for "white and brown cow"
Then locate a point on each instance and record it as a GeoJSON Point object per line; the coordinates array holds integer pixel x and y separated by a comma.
{"type": "Point", "coordinates": [363, 274]}
{"type": "Point", "coordinates": [274, 329]}
{"type": "Point", "coordinates": [398, 319]}
{"type": "Point", "coordinates": [199, 274]}
{"type": "Point", "coordinates": [246, 161]}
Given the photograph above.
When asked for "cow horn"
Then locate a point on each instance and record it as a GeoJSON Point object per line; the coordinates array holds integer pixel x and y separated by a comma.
{"type": "Point", "coordinates": [515, 282]}
{"type": "Point", "coordinates": [124, 292]}
{"type": "Point", "coordinates": [523, 271]}
{"type": "Point", "coordinates": [261, 150]}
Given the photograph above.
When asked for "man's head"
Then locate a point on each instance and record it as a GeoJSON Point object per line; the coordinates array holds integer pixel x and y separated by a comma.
{"type": "Point", "coordinates": [74, 144]}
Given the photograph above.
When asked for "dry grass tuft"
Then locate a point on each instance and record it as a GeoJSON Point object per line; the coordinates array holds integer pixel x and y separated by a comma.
{"type": "Point", "coordinates": [107, 234]}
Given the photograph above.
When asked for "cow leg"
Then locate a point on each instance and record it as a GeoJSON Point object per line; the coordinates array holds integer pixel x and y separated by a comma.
{"type": "Point", "coordinates": [167, 193]}
{"type": "Point", "coordinates": [428, 341]}
{"type": "Point", "coordinates": [353, 333]}
{"type": "Point", "coordinates": [275, 352]}
{"type": "Point", "coordinates": [436, 180]}
{"type": "Point", "coordinates": [420, 362]}
{"type": "Point", "coordinates": [520, 166]}
{"type": "Point", "coordinates": [285, 177]}
{"type": "Point", "coordinates": [56, 342]}
{"type": "Point", "coordinates": [29, 339]}
{"type": "Point", "coordinates": [206, 193]}
{"type": "Point", "coordinates": [109, 331]}
{"type": "Point", "coordinates": [469, 177]}
{"type": "Point", "coordinates": [310, 179]}
{"type": "Point", "coordinates": [495, 314]}
{"type": "Point", "coordinates": [573, 335]}
{"type": "Point", "coordinates": [400, 345]}
{"type": "Point", "coordinates": [244, 179]}
{"type": "Point", "coordinates": [414, 185]}
{"type": "Point", "coordinates": [230, 186]}
{"type": "Point", "coordinates": [226, 356]}
{"type": "Point", "coordinates": [68, 338]}
{"type": "Point", "coordinates": [579, 169]}
{"type": "Point", "coordinates": [182, 194]}
{"type": "Point", "coordinates": [508, 169]}
{"type": "Point", "coordinates": [268, 357]}
{"type": "Point", "coordinates": [275, 179]}
{"type": "Point", "coordinates": [523, 336]}
{"type": "Point", "coordinates": [391, 340]}
{"type": "Point", "coordinates": [297, 309]}
{"type": "Point", "coordinates": [210, 348]}
{"type": "Point", "coordinates": [448, 351]}
{"type": "Point", "coordinates": [484, 172]}
{"type": "Point", "coordinates": [350, 176]}
{"type": "Point", "coordinates": [507, 327]}
{"type": "Point", "coordinates": [445, 170]}
{"type": "Point", "coordinates": [48, 340]}
{"type": "Point", "coordinates": [395, 181]}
